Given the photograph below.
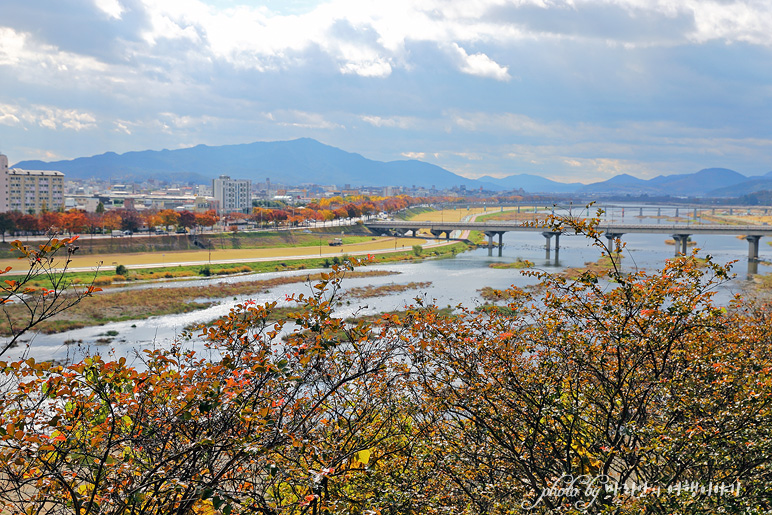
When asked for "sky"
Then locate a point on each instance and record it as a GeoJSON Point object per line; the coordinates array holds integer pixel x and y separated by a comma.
{"type": "Point", "coordinates": [572, 90]}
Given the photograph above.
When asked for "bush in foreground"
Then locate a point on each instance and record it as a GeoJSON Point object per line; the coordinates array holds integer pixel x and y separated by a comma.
{"type": "Point", "coordinates": [608, 393]}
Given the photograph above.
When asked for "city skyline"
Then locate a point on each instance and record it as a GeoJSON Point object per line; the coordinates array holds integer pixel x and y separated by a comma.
{"type": "Point", "coordinates": [572, 91]}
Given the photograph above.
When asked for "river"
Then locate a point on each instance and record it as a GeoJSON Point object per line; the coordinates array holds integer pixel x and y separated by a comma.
{"type": "Point", "coordinates": [453, 281]}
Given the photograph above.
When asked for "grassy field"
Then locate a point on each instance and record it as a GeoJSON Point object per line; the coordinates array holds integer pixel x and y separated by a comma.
{"type": "Point", "coordinates": [179, 260]}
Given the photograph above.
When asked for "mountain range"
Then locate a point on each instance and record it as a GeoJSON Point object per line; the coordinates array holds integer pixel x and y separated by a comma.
{"type": "Point", "coordinates": [307, 161]}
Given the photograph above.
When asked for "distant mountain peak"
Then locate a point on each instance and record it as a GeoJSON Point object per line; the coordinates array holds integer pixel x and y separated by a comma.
{"type": "Point", "coordinates": [306, 161]}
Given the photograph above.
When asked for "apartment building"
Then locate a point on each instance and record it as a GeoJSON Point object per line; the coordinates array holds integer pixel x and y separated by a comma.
{"type": "Point", "coordinates": [232, 195]}
{"type": "Point", "coordinates": [3, 184]}
{"type": "Point", "coordinates": [30, 190]}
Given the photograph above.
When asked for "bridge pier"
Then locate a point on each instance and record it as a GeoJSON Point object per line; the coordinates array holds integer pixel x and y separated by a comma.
{"type": "Point", "coordinates": [753, 247]}
{"type": "Point", "coordinates": [640, 213]}
{"type": "Point", "coordinates": [548, 236]}
{"type": "Point", "coordinates": [680, 242]}
{"type": "Point", "coordinates": [437, 233]}
{"type": "Point", "coordinates": [611, 236]}
{"type": "Point", "coordinates": [490, 235]}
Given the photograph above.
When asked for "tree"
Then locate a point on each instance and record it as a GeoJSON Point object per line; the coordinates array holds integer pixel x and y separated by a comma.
{"type": "Point", "coordinates": [24, 304]}
{"type": "Point", "coordinates": [272, 426]}
{"type": "Point", "coordinates": [207, 219]}
{"type": "Point", "coordinates": [131, 220]}
{"type": "Point", "coordinates": [631, 378]}
{"type": "Point", "coordinates": [27, 223]}
{"type": "Point", "coordinates": [187, 219]}
{"type": "Point", "coordinates": [168, 217]}
{"type": "Point", "coordinates": [50, 222]}
{"type": "Point", "coordinates": [112, 220]}
{"type": "Point", "coordinates": [74, 221]}
{"type": "Point", "coordinates": [7, 224]}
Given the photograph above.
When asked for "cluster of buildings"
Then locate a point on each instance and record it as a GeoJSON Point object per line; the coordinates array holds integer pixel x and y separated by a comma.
{"type": "Point", "coordinates": [35, 191]}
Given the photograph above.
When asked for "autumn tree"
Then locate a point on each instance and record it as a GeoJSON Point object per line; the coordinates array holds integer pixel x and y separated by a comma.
{"type": "Point", "coordinates": [207, 219]}
{"type": "Point", "coordinates": [39, 290]}
{"type": "Point", "coordinates": [611, 379]}
{"type": "Point", "coordinates": [50, 222]}
{"type": "Point", "coordinates": [187, 219]}
{"type": "Point", "coordinates": [74, 221]}
{"type": "Point", "coordinates": [168, 217]}
{"type": "Point", "coordinates": [262, 424]}
{"type": "Point", "coordinates": [112, 220]}
{"type": "Point", "coordinates": [131, 220]}
{"type": "Point", "coordinates": [619, 377]}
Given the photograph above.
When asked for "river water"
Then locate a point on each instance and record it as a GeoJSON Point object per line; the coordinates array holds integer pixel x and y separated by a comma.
{"type": "Point", "coordinates": [453, 281]}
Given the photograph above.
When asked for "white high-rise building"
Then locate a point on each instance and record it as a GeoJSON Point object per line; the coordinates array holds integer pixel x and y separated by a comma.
{"type": "Point", "coordinates": [30, 190]}
{"type": "Point", "coordinates": [232, 194]}
{"type": "Point", "coordinates": [3, 184]}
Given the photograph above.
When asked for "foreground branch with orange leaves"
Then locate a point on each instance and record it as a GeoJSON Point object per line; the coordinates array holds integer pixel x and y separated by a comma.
{"type": "Point", "coordinates": [616, 392]}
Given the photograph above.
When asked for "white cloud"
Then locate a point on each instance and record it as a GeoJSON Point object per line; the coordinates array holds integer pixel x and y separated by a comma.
{"type": "Point", "coordinates": [20, 50]}
{"type": "Point", "coordinates": [11, 46]}
{"type": "Point", "coordinates": [8, 119]}
{"type": "Point", "coordinates": [747, 21]}
{"type": "Point", "coordinates": [414, 155]}
{"type": "Point", "coordinates": [479, 64]}
{"type": "Point", "coordinates": [399, 122]}
{"type": "Point", "coordinates": [123, 127]}
{"type": "Point", "coordinates": [471, 156]}
{"type": "Point", "coordinates": [49, 117]}
{"type": "Point", "coordinates": [53, 118]}
{"type": "Point", "coordinates": [302, 119]}
{"type": "Point", "coordinates": [376, 68]}
{"type": "Point", "coordinates": [112, 8]}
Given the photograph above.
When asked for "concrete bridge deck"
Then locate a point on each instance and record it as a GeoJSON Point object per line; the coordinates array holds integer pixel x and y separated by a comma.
{"type": "Point", "coordinates": [612, 231]}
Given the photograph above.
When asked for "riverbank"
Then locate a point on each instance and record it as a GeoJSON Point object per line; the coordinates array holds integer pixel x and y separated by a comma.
{"type": "Point", "coordinates": [121, 305]}
{"type": "Point", "coordinates": [114, 304]}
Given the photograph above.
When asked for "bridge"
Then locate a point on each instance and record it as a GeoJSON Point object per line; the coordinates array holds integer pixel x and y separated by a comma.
{"type": "Point", "coordinates": [679, 232]}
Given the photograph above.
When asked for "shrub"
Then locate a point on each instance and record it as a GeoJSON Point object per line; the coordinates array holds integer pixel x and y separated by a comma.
{"type": "Point", "coordinates": [103, 280]}
{"type": "Point", "coordinates": [121, 270]}
{"type": "Point", "coordinates": [417, 250]}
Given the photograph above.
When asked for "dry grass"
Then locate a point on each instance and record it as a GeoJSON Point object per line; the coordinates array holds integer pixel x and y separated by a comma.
{"type": "Point", "coordinates": [140, 304]}
{"type": "Point", "coordinates": [602, 266]}
{"type": "Point", "coordinates": [365, 292]}
{"type": "Point", "coordinates": [517, 264]}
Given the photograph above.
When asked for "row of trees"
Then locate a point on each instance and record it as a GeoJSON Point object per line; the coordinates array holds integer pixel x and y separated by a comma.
{"type": "Point", "coordinates": [612, 393]}
{"type": "Point", "coordinates": [78, 221]}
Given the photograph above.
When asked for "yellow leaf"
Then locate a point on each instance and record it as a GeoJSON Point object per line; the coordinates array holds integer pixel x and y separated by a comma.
{"type": "Point", "coordinates": [363, 457]}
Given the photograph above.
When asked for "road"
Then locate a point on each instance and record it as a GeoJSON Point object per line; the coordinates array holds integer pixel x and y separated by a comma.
{"type": "Point", "coordinates": [85, 263]}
